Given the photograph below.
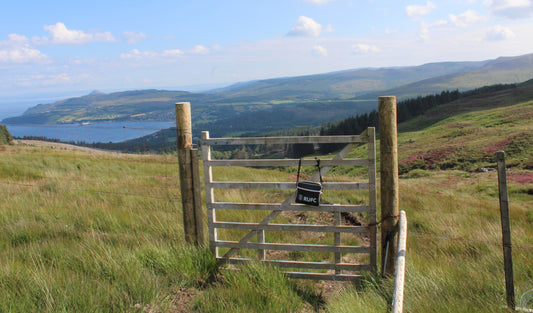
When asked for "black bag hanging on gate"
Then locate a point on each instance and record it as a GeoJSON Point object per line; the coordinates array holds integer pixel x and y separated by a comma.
{"type": "Point", "coordinates": [308, 192]}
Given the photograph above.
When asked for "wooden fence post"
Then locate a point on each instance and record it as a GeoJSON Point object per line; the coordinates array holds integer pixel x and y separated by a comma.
{"type": "Point", "coordinates": [506, 230]}
{"type": "Point", "coordinates": [191, 201]}
{"type": "Point", "coordinates": [388, 135]}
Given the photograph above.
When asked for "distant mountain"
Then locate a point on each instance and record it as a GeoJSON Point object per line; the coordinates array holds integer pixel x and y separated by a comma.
{"type": "Point", "coordinates": [504, 70]}
{"type": "Point", "coordinates": [265, 105]}
{"type": "Point", "coordinates": [96, 93]}
{"type": "Point", "coordinates": [343, 84]}
{"type": "Point", "coordinates": [473, 129]}
{"type": "Point", "coordinates": [97, 106]}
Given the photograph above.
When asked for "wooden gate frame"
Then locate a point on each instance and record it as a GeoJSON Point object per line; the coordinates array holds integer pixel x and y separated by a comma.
{"type": "Point", "coordinates": [336, 268]}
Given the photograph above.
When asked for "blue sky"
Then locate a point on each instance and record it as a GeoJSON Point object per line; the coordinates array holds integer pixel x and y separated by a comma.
{"type": "Point", "coordinates": [58, 48]}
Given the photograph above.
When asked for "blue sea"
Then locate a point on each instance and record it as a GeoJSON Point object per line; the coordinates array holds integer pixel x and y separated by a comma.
{"type": "Point", "coordinates": [92, 132]}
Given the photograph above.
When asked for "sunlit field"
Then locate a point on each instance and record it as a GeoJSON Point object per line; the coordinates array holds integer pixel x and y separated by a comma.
{"type": "Point", "coordinates": [102, 232]}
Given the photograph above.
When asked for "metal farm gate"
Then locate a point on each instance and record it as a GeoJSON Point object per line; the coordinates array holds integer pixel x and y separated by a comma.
{"type": "Point", "coordinates": [344, 261]}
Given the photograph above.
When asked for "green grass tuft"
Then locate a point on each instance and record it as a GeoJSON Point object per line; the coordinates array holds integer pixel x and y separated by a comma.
{"type": "Point", "coordinates": [251, 288]}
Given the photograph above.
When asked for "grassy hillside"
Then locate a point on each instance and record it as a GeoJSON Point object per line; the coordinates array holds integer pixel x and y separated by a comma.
{"type": "Point", "coordinates": [130, 105]}
{"type": "Point", "coordinates": [504, 70]}
{"type": "Point", "coordinates": [345, 84]}
{"type": "Point", "coordinates": [101, 232]}
{"type": "Point", "coordinates": [452, 139]}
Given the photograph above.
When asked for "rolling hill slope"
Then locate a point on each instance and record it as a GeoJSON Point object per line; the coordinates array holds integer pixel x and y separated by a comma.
{"type": "Point", "coordinates": [284, 97]}
{"type": "Point", "coordinates": [344, 84]}
{"type": "Point", "coordinates": [466, 133]}
{"type": "Point", "coordinates": [504, 70]}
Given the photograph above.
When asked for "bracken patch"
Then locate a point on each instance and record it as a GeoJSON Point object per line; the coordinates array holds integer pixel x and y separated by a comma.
{"type": "Point", "coordinates": [431, 157]}
{"type": "Point", "coordinates": [498, 145]}
{"type": "Point", "coordinates": [522, 178]}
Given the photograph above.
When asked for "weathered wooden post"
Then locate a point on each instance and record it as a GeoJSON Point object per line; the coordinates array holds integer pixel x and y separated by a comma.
{"type": "Point", "coordinates": [388, 134]}
{"type": "Point", "coordinates": [506, 230]}
{"type": "Point", "coordinates": [189, 176]}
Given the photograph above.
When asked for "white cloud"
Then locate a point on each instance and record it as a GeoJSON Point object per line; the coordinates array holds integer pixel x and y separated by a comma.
{"type": "Point", "coordinates": [15, 40]}
{"type": "Point", "coordinates": [389, 31]}
{"type": "Point", "coordinates": [317, 1]}
{"type": "Point", "coordinates": [512, 9]}
{"type": "Point", "coordinates": [172, 53]}
{"type": "Point", "coordinates": [46, 80]}
{"type": "Point", "coordinates": [60, 34]}
{"type": "Point", "coordinates": [498, 33]}
{"type": "Point", "coordinates": [199, 49]}
{"type": "Point", "coordinates": [419, 10]}
{"type": "Point", "coordinates": [362, 48]}
{"type": "Point", "coordinates": [466, 18]}
{"type": "Point", "coordinates": [138, 55]}
{"type": "Point", "coordinates": [440, 23]}
{"type": "Point", "coordinates": [135, 54]}
{"type": "Point", "coordinates": [328, 29]}
{"type": "Point", "coordinates": [319, 50]}
{"type": "Point", "coordinates": [17, 50]}
{"type": "Point", "coordinates": [134, 37]}
{"type": "Point", "coordinates": [60, 78]}
{"type": "Point", "coordinates": [305, 27]}
{"type": "Point", "coordinates": [423, 32]}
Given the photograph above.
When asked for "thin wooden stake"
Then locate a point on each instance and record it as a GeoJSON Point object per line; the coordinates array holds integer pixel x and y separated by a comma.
{"type": "Point", "coordinates": [506, 230]}
{"type": "Point", "coordinates": [372, 196]}
{"type": "Point", "coordinates": [197, 194]}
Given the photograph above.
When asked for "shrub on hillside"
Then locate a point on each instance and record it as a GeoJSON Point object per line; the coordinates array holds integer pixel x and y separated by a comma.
{"type": "Point", "coordinates": [5, 136]}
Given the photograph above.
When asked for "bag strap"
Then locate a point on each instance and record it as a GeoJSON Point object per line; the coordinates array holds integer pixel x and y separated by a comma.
{"type": "Point", "coordinates": [317, 165]}
{"type": "Point", "coordinates": [319, 173]}
{"type": "Point", "coordinates": [299, 165]}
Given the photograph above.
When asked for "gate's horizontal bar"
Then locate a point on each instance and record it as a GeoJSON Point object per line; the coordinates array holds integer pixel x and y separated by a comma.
{"type": "Point", "coordinates": [288, 162]}
{"type": "Point", "coordinates": [303, 264]}
{"type": "Point", "coordinates": [292, 247]}
{"type": "Point", "coordinates": [287, 185]}
{"type": "Point", "coordinates": [293, 207]}
{"type": "Point", "coordinates": [283, 140]}
{"type": "Point", "coordinates": [321, 276]}
{"type": "Point", "coordinates": [292, 227]}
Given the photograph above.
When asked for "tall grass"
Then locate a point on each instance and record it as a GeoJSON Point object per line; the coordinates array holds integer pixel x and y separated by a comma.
{"type": "Point", "coordinates": [251, 288]}
{"type": "Point", "coordinates": [454, 252]}
{"type": "Point", "coordinates": [92, 233]}
{"type": "Point", "coordinates": [84, 232]}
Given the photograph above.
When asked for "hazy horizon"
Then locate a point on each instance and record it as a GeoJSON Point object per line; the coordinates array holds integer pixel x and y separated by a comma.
{"type": "Point", "coordinates": [61, 48]}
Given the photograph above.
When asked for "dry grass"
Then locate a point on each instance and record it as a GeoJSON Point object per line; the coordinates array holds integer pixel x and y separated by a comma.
{"type": "Point", "coordinates": [99, 232]}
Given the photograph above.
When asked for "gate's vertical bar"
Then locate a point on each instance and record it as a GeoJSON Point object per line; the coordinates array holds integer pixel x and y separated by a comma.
{"type": "Point", "coordinates": [209, 194]}
{"type": "Point", "coordinates": [337, 241]}
{"type": "Point", "coordinates": [388, 142]}
{"type": "Point", "coordinates": [261, 239]}
{"type": "Point", "coordinates": [506, 230]}
{"type": "Point", "coordinates": [372, 196]}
